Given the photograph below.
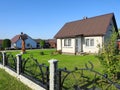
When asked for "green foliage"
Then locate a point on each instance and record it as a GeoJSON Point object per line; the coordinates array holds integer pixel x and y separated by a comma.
{"type": "Point", "coordinates": [41, 53]}
{"type": "Point", "coordinates": [109, 57]}
{"type": "Point", "coordinates": [42, 43]}
{"type": "Point", "coordinates": [6, 43]}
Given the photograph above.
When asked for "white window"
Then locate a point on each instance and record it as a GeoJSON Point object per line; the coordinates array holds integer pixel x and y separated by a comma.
{"type": "Point", "coordinates": [67, 42]}
{"type": "Point", "coordinates": [89, 42]}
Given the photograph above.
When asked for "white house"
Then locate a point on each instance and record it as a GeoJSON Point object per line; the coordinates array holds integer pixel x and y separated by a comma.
{"type": "Point", "coordinates": [85, 35]}
{"type": "Point", "coordinates": [16, 42]}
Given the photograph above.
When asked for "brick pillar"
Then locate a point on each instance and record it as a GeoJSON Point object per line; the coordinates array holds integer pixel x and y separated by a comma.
{"type": "Point", "coordinates": [4, 57]}
{"type": "Point", "coordinates": [53, 68]}
{"type": "Point", "coordinates": [19, 63]}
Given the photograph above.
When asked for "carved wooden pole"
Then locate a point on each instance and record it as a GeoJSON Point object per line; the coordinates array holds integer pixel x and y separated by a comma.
{"type": "Point", "coordinates": [23, 45]}
{"type": "Point", "coordinates": [23, 38]}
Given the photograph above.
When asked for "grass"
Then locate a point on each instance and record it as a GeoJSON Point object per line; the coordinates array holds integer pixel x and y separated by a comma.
{"type": "Point", "coordinates": [8, 82]}
{"type": "Point", "coordinates": [68, 61]}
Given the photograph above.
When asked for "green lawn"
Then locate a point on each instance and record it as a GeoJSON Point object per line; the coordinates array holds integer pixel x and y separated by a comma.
{"type": "Point", "coordinates": [68, 61]}
{"type": "Point", "coordinates": [8, 82]}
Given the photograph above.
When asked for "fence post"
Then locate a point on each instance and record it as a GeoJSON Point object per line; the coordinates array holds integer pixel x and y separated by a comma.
{"type": "Point", "coordinates": [53, 68]}
{"type": "Point", "coordinates": [4, 57]}
{"type": "Point", "coordinates": [19, 63]}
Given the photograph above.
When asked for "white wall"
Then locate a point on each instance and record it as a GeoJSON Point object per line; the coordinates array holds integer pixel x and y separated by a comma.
{"type": "Point", "coordinates": [59, 43]}
{"type": "Point", "coordinates": [93, 49]}
{"type": "Point", "coordinates": [69, 49]}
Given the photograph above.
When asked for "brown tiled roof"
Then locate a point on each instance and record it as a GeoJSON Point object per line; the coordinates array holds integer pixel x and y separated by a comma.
{"type": "Point", "coordinates": [37, 40]}
{"type": "Point", "coordinates": [87, 27]}
{"type": "Point", "coordinates": [14, 39]}
{"type": "Point", "coordinates": [17, 37]}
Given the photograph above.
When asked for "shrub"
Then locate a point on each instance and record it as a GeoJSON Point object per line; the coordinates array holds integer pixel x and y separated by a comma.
{"type": "Point", "coordinates": [109, 57]}
{"type": "Point", "coordinates": [42, 53]}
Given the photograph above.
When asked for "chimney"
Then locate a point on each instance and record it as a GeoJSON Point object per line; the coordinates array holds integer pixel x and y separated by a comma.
{"type": "Point", "coordinates": [85, 17]}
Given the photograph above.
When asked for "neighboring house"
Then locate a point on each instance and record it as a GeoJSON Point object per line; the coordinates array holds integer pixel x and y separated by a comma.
{"type": "Point", "coordinates": [51, 42]}
{"type": "Point", "coordinates": [85, 35]}
{"type": "Point", "coordinates": [16, 42]}
{"type": "Point", "coordinates": [38, 42]}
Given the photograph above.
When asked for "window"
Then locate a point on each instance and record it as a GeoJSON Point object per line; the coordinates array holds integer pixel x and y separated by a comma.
{"type": "Point", "coordinates": [89, 42]}
{"type": "Point", "coordinates": [67, 42]}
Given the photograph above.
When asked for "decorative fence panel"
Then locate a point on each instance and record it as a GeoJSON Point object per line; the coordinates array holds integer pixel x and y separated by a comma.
{"type": "Point", "coordinates": [83, 79]}
{"type": "Point", "coordinates": [39, 73]}
{"type": "Point", "coordinates": [11, 62]}
{"type": "Point", "coordinates": [1, 58]}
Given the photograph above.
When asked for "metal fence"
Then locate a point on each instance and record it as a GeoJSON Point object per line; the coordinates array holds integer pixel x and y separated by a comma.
{"type": "Point", "coordinates": [83, 79]}
{"type": "Point", "coordinates": [39, 73]}
{"type": "Point", "coordinates": [1, 60]}
{"type": "Point", "coordinates": [11, 62]}
{"type": "Point", "coordinates": [59, 79]}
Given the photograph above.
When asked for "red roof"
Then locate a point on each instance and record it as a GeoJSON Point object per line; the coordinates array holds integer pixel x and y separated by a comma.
{"type": "Point", "coordinates": [17, 37]}
{"type": "Point", "coordinates": [86, 27]}
{"type": "Point", "coordinates": [14, 39]}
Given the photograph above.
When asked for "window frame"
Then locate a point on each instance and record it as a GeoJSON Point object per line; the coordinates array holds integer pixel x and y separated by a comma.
{"type": "Point", "coordinates": [67, 42]}
{"type": "Point", "coordinates": [89, 42]}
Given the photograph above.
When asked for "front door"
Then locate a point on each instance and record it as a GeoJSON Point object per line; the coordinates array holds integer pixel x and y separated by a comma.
{"type": "Point", "coordinates": [78, 44]}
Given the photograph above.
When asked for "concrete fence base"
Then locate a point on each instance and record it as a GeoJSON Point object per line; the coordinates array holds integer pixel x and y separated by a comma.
{"type": "Point", "coordinates": [23, 79]}
{"type": "Point", "coordinates": [26, 81]}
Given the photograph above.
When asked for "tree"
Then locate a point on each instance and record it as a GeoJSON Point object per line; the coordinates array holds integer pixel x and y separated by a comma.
{"type": "Point", "coordinates": [109, 57]}
{"type": "Point", "coordinates": [42, 43]}
{"type": "Point", "coordinates": [6, 43]}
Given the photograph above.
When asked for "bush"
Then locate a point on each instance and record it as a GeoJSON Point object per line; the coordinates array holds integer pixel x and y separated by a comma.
{"type": "Point", "coordinates": [6, 43]}
{"type": "Point", "coordinates": [109, 57]}
{"type": "Point", "coordinates": [42, 53]}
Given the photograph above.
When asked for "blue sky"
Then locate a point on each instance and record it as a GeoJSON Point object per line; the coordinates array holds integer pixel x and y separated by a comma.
{"type": "Point", "coordinates": [44, 18]}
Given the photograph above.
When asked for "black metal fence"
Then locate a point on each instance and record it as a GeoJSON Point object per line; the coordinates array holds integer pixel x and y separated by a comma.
{"type": "Point", "coordinates": [83, 79]}
{"type": "Point", "coordinates": [11, 62]}
{"type": "Point", "coordinates": [39, 73]}
{"type": "Point", "coordinates": [1, 60]}
{"type": "Point", "coordinates": [78, 79]}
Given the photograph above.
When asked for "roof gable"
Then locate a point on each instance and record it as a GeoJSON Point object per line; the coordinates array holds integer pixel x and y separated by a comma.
{"type": "Point", "coordinates": [87, 27]}
{"type": "Point", "coordinates": [17, 37]}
